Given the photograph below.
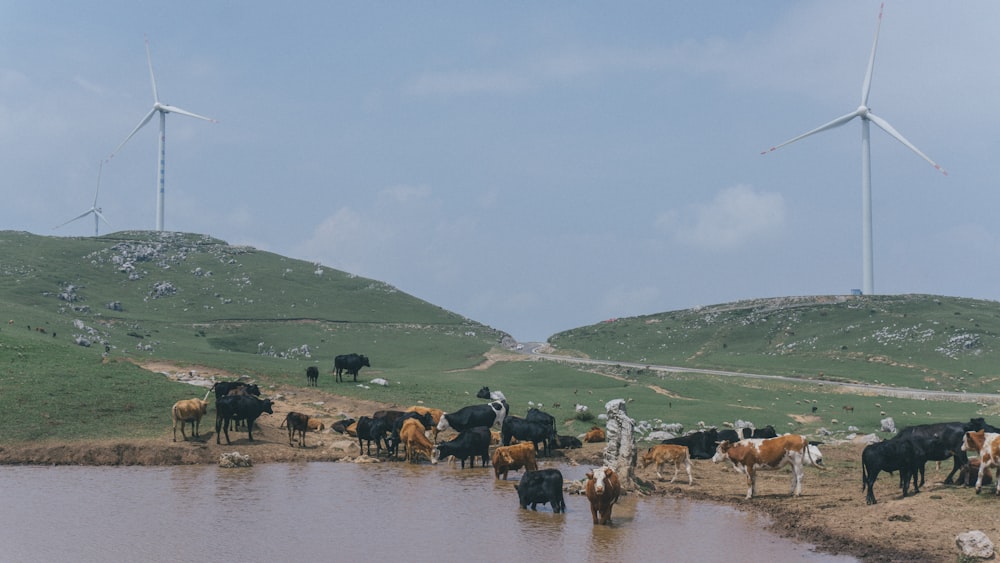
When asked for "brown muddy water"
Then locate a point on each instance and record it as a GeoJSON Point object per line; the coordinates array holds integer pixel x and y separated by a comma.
{"type": "Point", "coordinates": [351, 512]}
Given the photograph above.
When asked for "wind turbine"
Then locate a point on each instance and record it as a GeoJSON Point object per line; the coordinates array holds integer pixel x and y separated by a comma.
{"type": "Point", "coordinates": [98, 216]}
{"type": "Point", "coordinates": [162, 110]}
{"type": "Point", "coordinates": [866, 115]}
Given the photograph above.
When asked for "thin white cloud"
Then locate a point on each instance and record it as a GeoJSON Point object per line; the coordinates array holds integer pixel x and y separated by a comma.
{"type": "Point", "coordinates": [735, 217]}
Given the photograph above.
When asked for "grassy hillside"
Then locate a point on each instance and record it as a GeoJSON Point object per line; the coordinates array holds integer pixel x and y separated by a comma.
{"type": "Point", "coordinates": [84, 312]}
{"type": "Point", "coordinates": [920, 341]}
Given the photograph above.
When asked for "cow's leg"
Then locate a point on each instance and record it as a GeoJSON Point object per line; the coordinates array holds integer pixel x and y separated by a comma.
{"type": "Point", "coordinates": [659, 468]}
{"type": "Point", "coordinates": [687, 467]}
{"type": "Point", "coordinates": [961, 458]}
{"type": "Point", "coordinates": [195, 426]}
{"type": "Point", "coordinates": [797, 475]}
{"type": "Point", "coordinates": [593, 512]}
{"type": "Point", "coordinates": [677, 469]}
{"type": "Point", "coordinates": [751, 481]}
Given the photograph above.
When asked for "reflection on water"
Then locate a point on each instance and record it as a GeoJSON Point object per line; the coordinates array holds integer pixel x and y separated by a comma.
{"type": "Point", "coordinates": [343, 511]}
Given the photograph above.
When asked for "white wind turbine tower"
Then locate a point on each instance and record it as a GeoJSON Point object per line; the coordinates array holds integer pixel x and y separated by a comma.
{"type": "Point", "coordinates": [162, 110]}
{"type": "Point", "coordinates": [866, 115]}
{"type": "Point", "coordinates": [98, 216]}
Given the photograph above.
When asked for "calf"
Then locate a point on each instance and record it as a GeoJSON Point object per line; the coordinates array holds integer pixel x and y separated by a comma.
{"type": "Point", "coordinates": [512, 458]}
{"type": "Point", "coordinates": [412, 435]}
{"type": "Point", "coordinates": [603, 489]}
{"type": "Point", "coordinates": [341, 425]}
{"type": "Point", "coordinates": [312, 376]}
{"type": "Point", "coordinates": [297, 423]}
{"type": "Point", "coordinates": [527, 431]}
{"type": "Point", "coordinates": [668, 453]}
{"type": "Point", "coordinates": [540, 487]}
{"type": "Point", "coordinates": [988, 446]}
{"type": "Point", "coordinates": [369, 429]}
{"type": "Point", "coordinates": [969, 474]}
{"type": "Point", "coordinates": [188, 410]}
{"type": "Point", "coordinates": [566, 442]}
{"type": "Point", "coordinates": [468, 444]}
{"type": "Point", "coordinates": [316, 425]}
{"type": "Point", "coordinates": [244, 407]}
{"type": "Point", "coordinates": [891, 455]}
{"type": "Point", "coordinates": [771, 453]}
{"type": "Point", "coordinates": [425, 420]}
{"type": "Point", "coordinates": [595, 434]}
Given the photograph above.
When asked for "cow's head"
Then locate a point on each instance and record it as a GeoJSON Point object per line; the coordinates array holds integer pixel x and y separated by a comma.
{"type": "Point", "coordinates": [646, 458]}
{"type": "Point", "coordinates": [598, 476]}
{"type": "Point", "coordinates": [722, 451]}
{"type": "Point", "coordinates": [815, 456]}
{"type": "Point", "coordinates": [267, 406]}
{"type": "Point", "coordinates": [364, 361]}
{"type": "Point", "coordinates": [483, 393]}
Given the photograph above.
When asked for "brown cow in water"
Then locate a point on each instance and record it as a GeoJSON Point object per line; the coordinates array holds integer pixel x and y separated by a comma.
{"type": "Point", "coordinates": [603, 490]}
{"type": "Point", "coordinates": [411, 435]}
{"type": "Point", "coordinates": [512, 458]}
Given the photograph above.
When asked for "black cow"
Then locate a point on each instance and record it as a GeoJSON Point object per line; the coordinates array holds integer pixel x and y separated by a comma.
{"type": "Point", "coordinates": [373, 429]}
{"type": "Point", "coordinates": [297, 423]}
{"type": "Point", "coordinates": [223, 388]}
{"type": "Point", "coordinates": [540, 416]}
{"type": "Point", "coordinates": [891, 455]}
{"type": "Point", "coordinates": [527, 431]}
{"type": "Point", "coordinates": [568, 442]}
{"type": "Point", "coordinates": [351, 363]}
{"type": "Point", "coordinates": [312, 376]}
{"type": "Point", "coordinates": [938, 442]}
{"type": "Point", "coordinates": [732, 436]}
{"type": "Point", "coordinates": [426, 419]}
{"type": "Point", "coordinates": [474, 415]}
{"type": "Point", "coordinates": [341, 425]}
{"type": "Point", "coordinates": [485, 393]}
{"type": "Point", "coordinates": [468, 444]}
{"type": "Point", "coordinates": [540, 487]}
{"type": "Point", "coordinates": [242, 407]}
{"type": "Point", "coordinates": [765, 432]}
{"type": "Point", "coordinates": [701, 444]}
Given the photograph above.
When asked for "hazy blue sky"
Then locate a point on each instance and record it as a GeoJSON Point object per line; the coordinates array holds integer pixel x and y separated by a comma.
{"type": "Point", "coordinates": [535, 166]}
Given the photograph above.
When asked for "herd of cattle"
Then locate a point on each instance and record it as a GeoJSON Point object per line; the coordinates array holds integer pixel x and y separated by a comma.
{"type": "Point", "coordinates": [518, 442]}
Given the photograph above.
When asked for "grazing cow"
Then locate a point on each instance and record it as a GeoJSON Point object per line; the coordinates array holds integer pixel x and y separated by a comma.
{"type": "Point", "coordinates": [527, 431]}
{"type": "Point", "coordinates": [848, 408]}
{"type": "Point", "coordinates": [188, 410]}
{"type": "Point", "coordinates": [595, 434]}
{"type": "Point", "coordinates": [341, 425]}
{"type": "Point", "coordinates": [566, 442]}
{"type": "Point", "coordinates": [700, 444]}
{"type": "Point", "coordinates": [312, 376]}
{"type": "Point", "coordinates": [412, 435]}
{"type": "Point", "coordinates": [512, 458]}
{"type": "Point", "coordinates": [938, 442]}
{"type": "Point", "coordinates": [540, 487]}
{"type": "Point", "coordinates": [663, 454]}
{"type": "Point", "coordinates": [603, 489]}
{"type": "Point", "coordinates": [435, 416]}
{"type": "Point", "coordinates": [769, 453]}
{"type": "Point", "coordinates": [297, 423]}
{"type": "Point", "coordinates": [351, 363]}
{"type": "Point", "coordinates": [368, 429]}
{"type": "Point", "coordinates": [891, 455]}
{"type": "Point", "coordinates": [988, 446]}
{"type": "Point", "coordinates": [425, 420]}
{"type": "Point", "coordinates": [243, 407]}
{"type": "Point", "coordinates": [468, 444]}
{"type": "Point", "coordinates": [488, 415]}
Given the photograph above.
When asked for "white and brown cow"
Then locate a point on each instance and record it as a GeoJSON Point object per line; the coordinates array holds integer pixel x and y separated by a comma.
{"type": "Point", "coordinates": [602, 489]}
{"type": "Point", "coordinates": [988, 446]}
{"type": "Point", "coordinates": [772, 453]}
{"type": "Point", "coordinates": [663, 454]}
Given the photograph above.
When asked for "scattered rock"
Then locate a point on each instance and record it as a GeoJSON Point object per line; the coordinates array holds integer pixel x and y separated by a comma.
{"type": "Point", "coordinates": [234, 459]}
{"type": "Point", "coordinates": [975, 544]}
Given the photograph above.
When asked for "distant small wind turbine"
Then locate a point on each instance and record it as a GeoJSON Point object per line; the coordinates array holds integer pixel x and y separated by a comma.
{"type": "Point", "coordinates": [163, 110]}
{"type": "Point", "coordinates": [98, 216]}
{"type": "Point", "coordinates": [866, 115]}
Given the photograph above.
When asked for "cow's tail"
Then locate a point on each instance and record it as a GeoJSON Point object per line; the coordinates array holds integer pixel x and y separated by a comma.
{"type": "Point", "coordinates": [864, 474]}
{"type": "Point", "coordinates": [207, 393]}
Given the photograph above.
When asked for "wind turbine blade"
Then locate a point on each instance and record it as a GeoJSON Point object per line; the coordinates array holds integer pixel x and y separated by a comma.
{"type": "Point", "coordinates": [884, 125]}
{"type": "Point", "coordinates": [141, 124]}
{"type": "Point", "coordinates": [101, 215]}
{"type": "Point", "coordinates": [98, 191]}
{"type": "Point", "coordinates": [835, 123]}
{"type": "Point", "coordinates": [80, 216]}
{"type": "Point", "coordinates": [867, 86]}
{"type": "Point", "coordinates": [173, 109]}
{"type": "Point", "coordinates": [152, 78]}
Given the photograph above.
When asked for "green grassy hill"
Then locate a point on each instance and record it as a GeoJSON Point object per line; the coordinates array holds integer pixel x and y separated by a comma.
{"type": "Point", "coordinates": [79, 314]}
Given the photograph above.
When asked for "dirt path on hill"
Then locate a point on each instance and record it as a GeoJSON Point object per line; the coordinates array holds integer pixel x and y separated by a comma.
{"type": "Point", "coordinates": [831, 513]}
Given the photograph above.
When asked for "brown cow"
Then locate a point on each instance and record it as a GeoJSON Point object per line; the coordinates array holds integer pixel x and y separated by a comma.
{"type": "Point", "coordinates": [988, 446]}
{"type": "Point", "coordinates": [435, 416]}
{"type": "Point", "coordinates": [316, 425]}
{"type": "Point", "coordinates": [297, 423]}
{"type": "Point", "coordinates": [595, 434]}
{"type": "Point", "coordinates": [603, 489]}
{"type": "Point", "coordinates": [512, 458]}
{"type": "Point", "coordinates": [412, 435]}
{"type": "Point", "coordinates": [188, 410]}
{"type": "Point", "coordinates": [668, 453]}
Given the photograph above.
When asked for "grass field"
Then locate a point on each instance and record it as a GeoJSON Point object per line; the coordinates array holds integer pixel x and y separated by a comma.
{"type": "Point", "coordinates": [83, 311]}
